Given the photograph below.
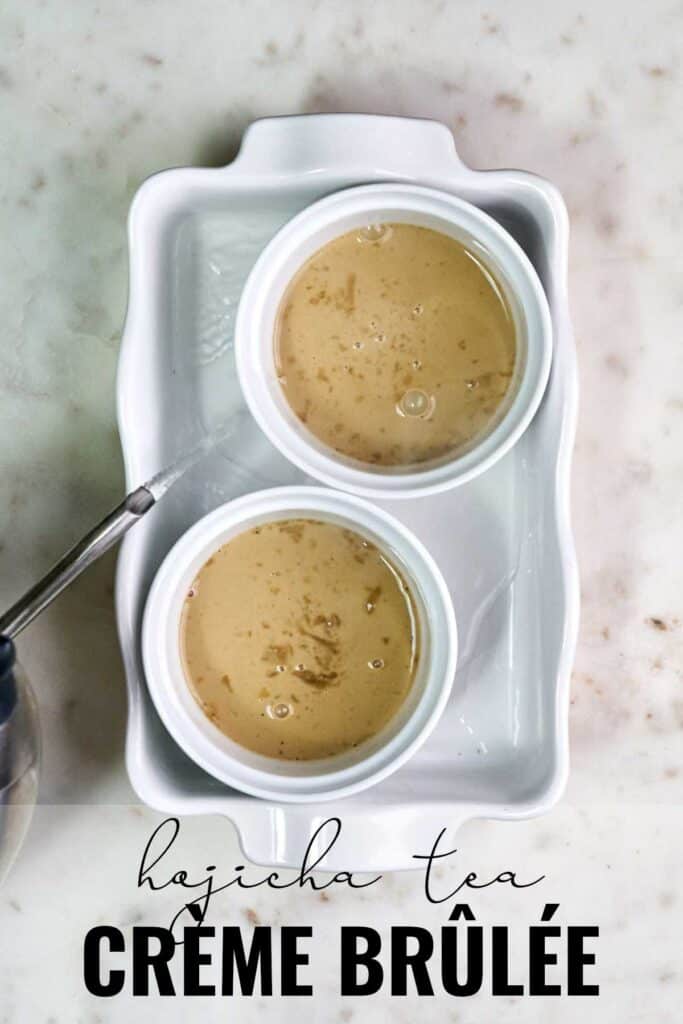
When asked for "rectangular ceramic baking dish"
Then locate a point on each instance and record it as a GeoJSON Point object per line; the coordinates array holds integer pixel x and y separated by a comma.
{"type": "Point", "coordinates": [503, 540]}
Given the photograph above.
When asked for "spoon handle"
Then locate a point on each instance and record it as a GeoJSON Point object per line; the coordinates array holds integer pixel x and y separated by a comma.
{"type": "Point", "coordinates": [79, 557]}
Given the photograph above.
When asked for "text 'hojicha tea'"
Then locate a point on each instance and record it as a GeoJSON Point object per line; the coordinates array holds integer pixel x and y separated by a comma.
{"type": "Point", "coordinates": [395, 346]}
{"type": "Point", "coordinates": [299, 639]}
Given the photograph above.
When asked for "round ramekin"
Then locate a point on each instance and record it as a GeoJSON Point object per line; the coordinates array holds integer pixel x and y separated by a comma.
{"type": "Point", "coordinates": [298, 240]}
{"type": "Point", "coordinates": [298, 781]}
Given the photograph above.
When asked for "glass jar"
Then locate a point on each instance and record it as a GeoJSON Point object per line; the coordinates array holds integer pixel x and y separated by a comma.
{"type": "Point", "coordinates": [19, 755]}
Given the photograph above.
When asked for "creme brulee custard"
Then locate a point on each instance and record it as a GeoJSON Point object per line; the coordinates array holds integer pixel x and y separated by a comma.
{"type": "Point", "coordinates": [395, 345]}
{"type": "Point", "coordinates": [299, 639]}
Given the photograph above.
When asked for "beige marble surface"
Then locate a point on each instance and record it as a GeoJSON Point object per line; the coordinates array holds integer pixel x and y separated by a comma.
{"type": "Point", "coordinates": [93, 97]}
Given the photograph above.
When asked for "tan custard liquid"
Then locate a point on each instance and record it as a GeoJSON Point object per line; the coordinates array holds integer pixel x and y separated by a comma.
{"type": "Point", "coordinates": [395, 345]}
{"type": "Point", "coordinates": [299, 639]}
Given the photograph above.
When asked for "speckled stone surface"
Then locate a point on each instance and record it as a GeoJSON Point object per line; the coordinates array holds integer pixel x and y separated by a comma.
{"type": "Point", "coordinates": [93, 97]}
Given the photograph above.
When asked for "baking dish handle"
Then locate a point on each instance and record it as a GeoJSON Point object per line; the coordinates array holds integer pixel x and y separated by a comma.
{"type": "Point", "coordinates": [314, 143]}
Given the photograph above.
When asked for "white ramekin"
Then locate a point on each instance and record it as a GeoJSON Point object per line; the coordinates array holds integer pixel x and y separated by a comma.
{"type": "Point", "coordinates": [298, 781]}
{"type": "Point", "coordinates": [304, 235]}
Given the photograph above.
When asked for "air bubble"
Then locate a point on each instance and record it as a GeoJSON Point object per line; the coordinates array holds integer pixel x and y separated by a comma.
{"type": "Point", "coordinates": [358, 345]}
{"type": "Point", "coordinates": [374, 233]}
{"type": "Point", "coordinates": [280, 710]}
{"type": "Point", "coordinates": [416, 404]}
{"type": "Point", "coordinates": [416, 364]}
{"type": "Point", "coordinates": [380, 338]}
{"type": "Point", "coordinates": [418, 309]}
{"type": "Point", "coordinates": [376, 663]}
{"type": "Point", "coordinates": [299, 668]}
{"type": "Point", "coordinates": [471, 384]}
{"type": "Point", "coordinates": [280, 668]}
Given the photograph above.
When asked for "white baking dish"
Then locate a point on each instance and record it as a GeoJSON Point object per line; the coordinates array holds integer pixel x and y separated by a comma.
{"type": "Point", "coordinates": [502, 540]}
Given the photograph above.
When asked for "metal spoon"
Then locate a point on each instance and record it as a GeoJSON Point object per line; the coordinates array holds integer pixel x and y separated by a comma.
{"type": "Point", "coordinates": [102, 537]}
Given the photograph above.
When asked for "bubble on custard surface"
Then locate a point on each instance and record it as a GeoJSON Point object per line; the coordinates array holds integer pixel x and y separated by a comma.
{"type": "Point", "coordinates": [416, 404]}
{"type": "Point", "coordinates": [358, 345]}
{"type": "Point", "coordinates": [471, 384]}
{"type": "Point", "coordinates": [376, 663]}
{"type": "Point", "coordinates": [374, 233]}
{"type": "Point", "coordinates": [379, 338]}
{"type": "Point", "coordinates": [279, 710]}
{"type": "Point", "coordinates": [418, 309]}
{"type": "Point", "coordinates": [416, 364]}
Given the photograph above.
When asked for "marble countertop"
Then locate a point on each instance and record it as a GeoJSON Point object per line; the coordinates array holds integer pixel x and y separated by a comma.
{"type": "Point", "coordinates": [94, 97]}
